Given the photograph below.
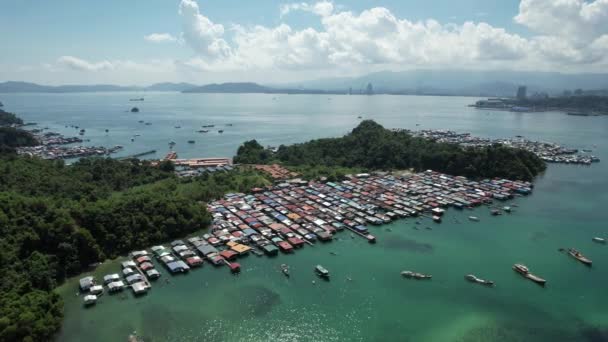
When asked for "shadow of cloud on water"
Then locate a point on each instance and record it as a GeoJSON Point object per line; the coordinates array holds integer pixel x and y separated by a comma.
{"type": "Point", "coordinates": [253, 301]}
{"type": "Point", "coordinates": [401, 243]}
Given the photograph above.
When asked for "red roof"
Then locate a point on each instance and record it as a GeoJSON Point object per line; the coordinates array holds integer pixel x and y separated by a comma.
{"type": "Point", "coordinates": [285, 246]}
{"type": "Point", "coordinates": [228, 254]}
{"type": "Point", "coordinates": [234, 267]}
{"type": "Point", "coordinates": [296, 241]}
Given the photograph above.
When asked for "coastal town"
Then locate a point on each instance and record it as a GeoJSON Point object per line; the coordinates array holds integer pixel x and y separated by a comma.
{"type": "Point", "coordinates": [296, 214]}
{"type": "Point", "coordinates": [547, 151]}
{"type": "Point", "coordinates": [53, 145]}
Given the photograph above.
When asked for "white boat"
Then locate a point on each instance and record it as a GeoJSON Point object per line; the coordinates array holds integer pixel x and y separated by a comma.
{"type": "Point", "coordinates": [96, 290]}
{"type": "Point", "coordinates": [474, 218]}
{"type": "Point", "coordinates": [472, 278]}
{"type": "Point", "coordinates": [599, 240]}
{"type": "Point", "coordinates": [416, 275]}
{"type": "Point", "coordinates": [90, 299]}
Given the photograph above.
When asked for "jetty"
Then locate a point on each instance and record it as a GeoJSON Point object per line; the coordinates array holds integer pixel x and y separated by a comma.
{"type": "Point", "coordinates": [137, 155]}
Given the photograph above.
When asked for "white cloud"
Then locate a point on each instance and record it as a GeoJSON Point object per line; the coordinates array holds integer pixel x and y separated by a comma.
{"type": "Point", "coordinates": [75, 63]}
{"type": "Point", "coordinates": [82, 65]}
{"type": "Point", "coordinates": [579, 21]}
{"type": "Point", "coordinates": [201, 33]}
{"type": "Point", "coordinates": [322, 8]}
{"type": "Point", "coordinates": [566, 35]}
{"type": "Point", "coordinates": [160, 38]}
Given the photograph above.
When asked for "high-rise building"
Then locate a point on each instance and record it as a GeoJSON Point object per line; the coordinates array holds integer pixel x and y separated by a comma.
{"type": "Point", "coordinates": [521, 92]}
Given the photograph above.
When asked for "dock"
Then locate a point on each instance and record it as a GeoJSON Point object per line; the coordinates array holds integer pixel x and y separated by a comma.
{"type": "Point", "coordinates": [137, 155]}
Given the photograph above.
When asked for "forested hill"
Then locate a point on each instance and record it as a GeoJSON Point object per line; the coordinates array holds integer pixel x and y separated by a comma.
{"type": "Point", "coordinates": [372, 146]}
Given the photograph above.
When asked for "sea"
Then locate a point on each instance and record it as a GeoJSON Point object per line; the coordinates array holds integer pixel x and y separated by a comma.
{"type": "Point", "coordinates": [366, 299]}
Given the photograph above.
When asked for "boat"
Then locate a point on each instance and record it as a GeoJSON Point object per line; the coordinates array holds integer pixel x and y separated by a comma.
{"type": "Point", "coordinates": [139, 99]}
{"type": "Point", "coordinates": [90, 300]}
{"type": "Point", "coordinates": [524, 271]}
{"type": "Point", "coordinates": [203, 131]}
{"type": "Point", "coordinates": [191, 141]}
{"type": "Point", "coordinates": [495, 212]}
{"type": "Point", "coordinates": [472, 278]}
{"type": "Point", "coordinates": [285, 270]}
{"type": "Point", "coordinates": [474, 218]}
{"type": "Point", "coordinates": [436, 218]}
{"type": "Point", "coordinates": [416, 275]}
{"type": "Point", "coordinates": [134, 110]}
{"type": "Point", "coordinates": [321, 271]}
{"type": "Point", "coordinates": [507, 209]}
{"type": "Point", "coordinates": [599, 240]}
{"type": "Point", "coordinates": [578, 256]}
{"type": "Point", "coordinates": [221, 131]}
{"type": "Point", "coordinates": [178, 126]}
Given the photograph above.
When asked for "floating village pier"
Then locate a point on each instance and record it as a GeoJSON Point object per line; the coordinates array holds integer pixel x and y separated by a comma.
{"type": "Point", "coordinates": [285, 217]}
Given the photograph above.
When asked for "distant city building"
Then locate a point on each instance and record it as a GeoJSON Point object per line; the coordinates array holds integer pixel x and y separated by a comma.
{"type": "Point", "coordinates": [521, 92]}
{"type": "Point", "coordinates": [350, 91]}
{"type": "Point", "coordinates": [370, 89]}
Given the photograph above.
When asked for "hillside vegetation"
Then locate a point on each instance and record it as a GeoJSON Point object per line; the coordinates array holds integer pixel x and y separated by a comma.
{"type": "Point", "coordinates": [373, 147]}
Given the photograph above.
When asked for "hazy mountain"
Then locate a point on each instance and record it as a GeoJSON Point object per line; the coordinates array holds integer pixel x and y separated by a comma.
{"type": "Point", "coordinates": [25, 87]}
{"type": "Point", "coordinates": [245, 87]}
{"type": "Point", "coordinates": [453, 82]}
{"type": "Point", "coordinates": [167, 86]}
{"type": "Point", "coordinates": [249, 87]}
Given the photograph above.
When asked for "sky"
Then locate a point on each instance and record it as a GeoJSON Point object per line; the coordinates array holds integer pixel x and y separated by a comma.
{"type": "Point", "coordinates": [140, 42]}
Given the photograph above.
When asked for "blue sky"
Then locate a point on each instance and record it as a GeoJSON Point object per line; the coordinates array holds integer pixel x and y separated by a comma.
{"type": "Point", "coordinates": [75, 41]}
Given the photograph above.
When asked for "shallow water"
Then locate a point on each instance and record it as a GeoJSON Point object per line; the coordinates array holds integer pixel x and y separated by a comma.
{"type": "Point", "coordinates": [566, 209]}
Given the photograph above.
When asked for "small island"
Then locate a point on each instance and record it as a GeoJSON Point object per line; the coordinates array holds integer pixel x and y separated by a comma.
{"type": "Point", "coordinates": [374, 147]}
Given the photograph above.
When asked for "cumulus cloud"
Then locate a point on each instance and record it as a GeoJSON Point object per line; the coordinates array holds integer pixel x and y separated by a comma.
{"type": "Point", "coordinates": [579, 21]}
{"type": "Point", "coordinates": [160, 38]}
{"type": "Point", "coordinates": [565, 34]}
{"type": "Point", "coordinates": [322, 8]}
{"type": "Point", "coordinates": [78, 64]}
{"type": "Point", "coordinates": [201, 33]}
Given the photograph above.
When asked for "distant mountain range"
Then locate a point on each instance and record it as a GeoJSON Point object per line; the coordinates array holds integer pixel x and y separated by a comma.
{"type": "Point", "coordinates": [459, 82]}
{"type": "Point", "coordinates": [254, 88]}
{"type": "Point", "coordinates": [415, 82]}
{"type": "Point", "coordinates": [25, 87]}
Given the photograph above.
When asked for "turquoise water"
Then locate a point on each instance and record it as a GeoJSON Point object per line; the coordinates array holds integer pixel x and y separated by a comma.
{"type": "Point", "coordinates": [566, 210]}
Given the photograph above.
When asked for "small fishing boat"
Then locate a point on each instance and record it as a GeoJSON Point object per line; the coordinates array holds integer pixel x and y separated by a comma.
{"type": "Point", "coordinates": [90, 300]}
{"type": "Point", "coordinates": [437, 218]}
{"type": "Point", "coordinates": [474, 218]}
{"type": "Point", "coordinates": [134, 110]}
{"type": "Point", "coordinates": [221, 131]}
{"type": "Point", "coordinates": [416, 275]}
{"type": "Point", "coordinates": [191, 141]}
{"type": "Point", "coordinates": [472, 278]}
{"type": "Point", "coordinates": [525, 272]}
{"type": "Point", "coordinates": [507, 209]}
{"type": "Point", "coordinates": [285, 270]}
{"type": "Point", "coordinates": [321, 271]}
{"type": "Point", "coordinates": [178, 126]}
{"type": "Point", "coordinates": [599, 240]}
{"type": "Point", "coordinates": [578, 256]}
{"type": "Point", "coordinates": [495, 212]}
